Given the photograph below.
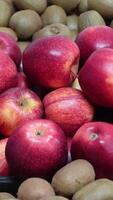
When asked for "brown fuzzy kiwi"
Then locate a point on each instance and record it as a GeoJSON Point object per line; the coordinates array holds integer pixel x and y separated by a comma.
{"type": "Point", "coordinates": [9, 31]}
{"type": "Point", "coordinates": [12, 7]}
{"type": "Point", "coordinates": [72, 22]}
{"type": "Point", "coordinates": [73, 34]}
{"type": "Point", "coordinates": [67, 5]}
{"type": "Point", "coordinates": [90, 18]}
{"type": "Point", "coordinates": [53, 29]}
{"type": "Point", "coordinates": [104, 7]}
{"type": "Point", "coordinates": [72, 177]}
{"type": "Point", "coordinates": [5, 13]}
{"type": "Point", "coordinates": [54, 14]}
{"type": "Point", "coordinates": [25, 23]}
{"type": "Point", "coordinates": [54, 198]}
{"type": "Point", "coordinates": [83, 6]}
{"type": "Point", "coordinates": [22, 45]}
{"type": "Point", "coordinates": [111, 25]}
{"type": "Point", "coordinates": [101, 189]}
{"type": "Point", "coordinates": [49, 2]}
{"type": "Point", "coordinates": [34, 189]}
{"type": "Point", "coordinates": [5, 195]}
{"type": "Point", "coordinates": [37, 5]}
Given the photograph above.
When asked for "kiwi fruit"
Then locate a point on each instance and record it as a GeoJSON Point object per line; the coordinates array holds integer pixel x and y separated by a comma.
{"type": "Point", "coordinates": [83, 6]}
{"type": "Point", "coordinates": [49, 2]}
{"type": "Point", "coordinates": [5, 195]}
{"type": "Point", "coordinates": [54, 198]}
{"type": "Point", "coordinates": [104, 7]}
{"type": "Point", "coordinates": [101, 189]}
{"type": "Point", "coordinates": [12, 8]}
{"type": "Point", "coordinates": [72, 177]}
{"type": "Point", "coordinates": [34, 189]}
{"type": "Point", "coordinates": [25, 23]}
{"type": "Point", "coordinates": [22, 45]}
{"type": "Point", "coordinates": [72, 22]}
{"type": "Point", "coordinates": [54, 14]}
{"type": "Point", "coordinates": [67, 5]}
{"type": "Point", "coordinates": [74, 34]}
{"type": "Point", "coordinates": [53, 29]}
{"type": "Point", "coordinates": [5, 13]}
{"type": "Point", "coordinates": [37, 5]}
{"type": "Point", "coordinates": [90, 18]}
{"type": "Point", "coordinates": [9, 31]}
{"type": "Point", "coordinates": [111, 25]}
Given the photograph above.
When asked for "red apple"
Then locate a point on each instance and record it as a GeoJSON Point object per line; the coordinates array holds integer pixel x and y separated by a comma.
{"type": "Point", "coordinates": [10, 47]}
{"type": "Point", "coordinates": [69, 108]}
{"type": "Point", "coordinates": [51, 62]}
{"type": "Point", "coordinates": [22, 80]}
{"type": "Point", "coordinates": [94, 142]}
{"type": "Point", "coordinates": [96, 77]}
{"type": "Point", "coordinates": [69, 142]}
{"type": "Point", "coordinates": [36, 148]}
{"type": "Point", "coordinates": [18, 105]}
{"type": "Point", "coordinates": [4, 168]}
{"type": "Point", "coordinates": [93, 38]}
{"type": "Point", "coordinates": [8, 72]}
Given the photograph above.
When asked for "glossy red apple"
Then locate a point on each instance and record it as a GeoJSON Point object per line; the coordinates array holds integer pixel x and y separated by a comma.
{"type": "Point", "coordinates": [51, 62]}
{"type": "Point", "coordinates": [4, 168]}
{"type": "Point", "coordinates": [18, 105]}
{"type": "Point", "coordinates": [96, 77]}
{"type": "Point", "coordinates": [94, 142]}
{"type": "Point", "coordinates": [69, 108]}
{"type": "Point", "coordinates": [69, 142]}
{"type": "Point", "coordinates": [93, 38]}
{"type": "Point", "coordinates": [22, 80]}
{"type": "Point", "coordinates": [36, 148]}
{"type": "Point", "coordinates": [8, 72]}
{"type": "Point", "coordinates": [10, 47]}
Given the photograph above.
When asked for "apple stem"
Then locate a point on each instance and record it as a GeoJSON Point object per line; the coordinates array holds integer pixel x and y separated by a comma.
{"type": "Point", "coordinates": [38, 133]}
{"type": "Point", "coordinates": [93, 136]}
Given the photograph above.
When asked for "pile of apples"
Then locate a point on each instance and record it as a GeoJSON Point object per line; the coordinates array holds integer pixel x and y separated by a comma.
{"type": "Point", "coordinates": [45, 120]}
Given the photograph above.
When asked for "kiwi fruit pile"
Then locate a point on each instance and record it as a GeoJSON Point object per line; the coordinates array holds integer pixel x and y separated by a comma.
{"type": "Point", "coordinates": [27, 20]}
{"type": "Point", "coordinates": [74, 181]}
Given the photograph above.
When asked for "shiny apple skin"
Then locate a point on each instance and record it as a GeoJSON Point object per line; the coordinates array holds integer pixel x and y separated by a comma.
{"type": "Point", "coordinates": [8, 72]}
{"type": "Point", "coordinates": [69, 108]}
{"type": "Point", "coordinates": [18, 105]}
{"type": "Point", "coordinates": [4, 168]}
{"type": "Point", "coordinates": [96, 78]}
{"type": "Point", "coordinates": [93, 38]}
{"type": "Point", "coordinates": [69, 142]}
{"type": "Point", "coordinates": [37, 148]}
{"type": "Point", "coordinates": [94, 142]}
{"type": "Point", "coordinates": [10, 47]}
{"type": "Point", "coordinates": [51, 62]}
{"type": "Point", "coordinates": [22, 81]}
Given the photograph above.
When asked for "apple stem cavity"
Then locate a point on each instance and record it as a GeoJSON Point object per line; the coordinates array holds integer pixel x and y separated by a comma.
{"type": "Point", "coordinates": [38, 133]}
{"type": "Point", "coordinates": [93, 136]}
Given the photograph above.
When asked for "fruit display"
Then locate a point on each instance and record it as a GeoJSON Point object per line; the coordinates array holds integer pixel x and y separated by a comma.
{"type": "Point", "coordinates": [56, 99]}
